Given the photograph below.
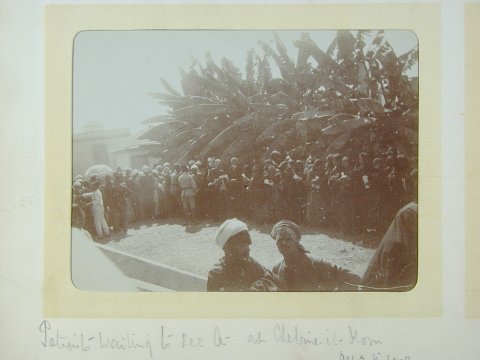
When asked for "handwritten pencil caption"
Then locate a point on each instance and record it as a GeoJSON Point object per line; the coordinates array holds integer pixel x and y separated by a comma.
{"type": "Point", "coordinates": [347, 340]}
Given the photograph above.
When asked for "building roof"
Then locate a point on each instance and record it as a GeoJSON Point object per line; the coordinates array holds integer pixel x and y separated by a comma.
{"type": "Point", "coordinates": [138, 145]}
{"type": "Point", "coordinates": [99, 135]}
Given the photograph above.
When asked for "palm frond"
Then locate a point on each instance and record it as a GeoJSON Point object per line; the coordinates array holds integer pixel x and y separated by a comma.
{"type": "Point", "coordinates": [169, 88]}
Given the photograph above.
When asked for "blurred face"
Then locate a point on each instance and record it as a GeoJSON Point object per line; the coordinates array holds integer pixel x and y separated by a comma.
{"type": "Point", "coordinates": [237, 249]}
{"type": "Point", "coordinates": [286, 244]}
{"type": "Point", "coordinates": [287, 247]}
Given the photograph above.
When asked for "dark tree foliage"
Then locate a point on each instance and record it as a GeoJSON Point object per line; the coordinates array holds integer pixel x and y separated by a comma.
{"type": "Point", "coordinates": [349, 98]}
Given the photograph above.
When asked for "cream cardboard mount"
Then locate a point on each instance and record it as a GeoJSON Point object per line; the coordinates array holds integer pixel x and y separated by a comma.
{"type": "Point", "coordinates": [62, 299]}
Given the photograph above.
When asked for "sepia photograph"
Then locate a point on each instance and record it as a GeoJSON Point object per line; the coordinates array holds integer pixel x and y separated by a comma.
{"type": "Point", "coordinates": [211, 180]}
{"type": "Point", "coordinates": [239, 161]}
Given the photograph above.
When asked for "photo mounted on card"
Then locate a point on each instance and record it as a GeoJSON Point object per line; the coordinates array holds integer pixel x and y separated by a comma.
{"type": "Point", "coordinates": [221, 160]}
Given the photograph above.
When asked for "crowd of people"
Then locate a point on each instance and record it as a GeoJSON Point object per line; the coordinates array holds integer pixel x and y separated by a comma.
{"type": "Point", "coordinates": [350, 193]}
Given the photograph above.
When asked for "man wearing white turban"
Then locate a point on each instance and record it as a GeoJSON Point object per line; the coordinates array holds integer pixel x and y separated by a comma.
{"type": "Point", "coordinates": [237, 271]}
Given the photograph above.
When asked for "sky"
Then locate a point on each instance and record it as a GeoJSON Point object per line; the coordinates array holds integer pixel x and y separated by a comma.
{"type": "Point", "coordinates": [114, 71]}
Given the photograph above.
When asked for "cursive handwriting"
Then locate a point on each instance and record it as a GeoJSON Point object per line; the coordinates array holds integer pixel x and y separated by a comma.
{"type": "Point", "coordinates": [55, 338]}
{"type": "Point", "coordinates": [218, 339]}
{"type": "Point", "coordinates": [348, 340]}
{"type": "Point", "coordinates": [371, 356]}
{"type": "Point", "coordinates": [124, 343]}
{"type": "Point", "coordinates": [289, 335]}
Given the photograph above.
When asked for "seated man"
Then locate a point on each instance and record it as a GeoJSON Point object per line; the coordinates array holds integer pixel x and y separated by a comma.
{"type": "Point", "coordinates": [394, 265]}
{"type": "Point", "coordinates": [237, 271]}
{"type": "Point", "coordinates": [303, 272]}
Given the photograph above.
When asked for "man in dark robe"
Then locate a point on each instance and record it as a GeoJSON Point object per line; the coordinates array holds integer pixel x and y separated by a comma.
{"type": "Point", "coordinates": [237, 271]}
{"type": "Point", "coordinates": [394, 264]}
{"type": "Point", "coordinates": [119, 205]}
{"type": "Point", "coordinates": [303, 272]}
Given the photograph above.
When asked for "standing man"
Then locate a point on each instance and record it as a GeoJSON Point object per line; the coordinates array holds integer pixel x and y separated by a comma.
{"type": "Point", "coordinates": [237, 271]}
{"type": "Point", "coordinates": [119, 205]}
{"type": "Point", "coordinates": [188, 188]}
{"type": "Point", "coordinates": [175, 189]}
{"type": "Point", "coordinates": [98, 212]}
{"type": "Point", "coordinates": [213, 188]}
{"type": "Point", "coordinates": [303, 272]}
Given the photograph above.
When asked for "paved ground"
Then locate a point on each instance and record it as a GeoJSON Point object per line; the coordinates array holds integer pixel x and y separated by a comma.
{"type": "Point", "coordinates": [192, 249]}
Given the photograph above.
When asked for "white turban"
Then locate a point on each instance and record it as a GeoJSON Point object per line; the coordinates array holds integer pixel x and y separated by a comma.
{"type": "Point", "coordinates": [228, 229]}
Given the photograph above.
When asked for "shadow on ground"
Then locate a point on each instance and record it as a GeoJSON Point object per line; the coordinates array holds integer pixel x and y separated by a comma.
{"type": "Point", "coordinates": [368, 240]}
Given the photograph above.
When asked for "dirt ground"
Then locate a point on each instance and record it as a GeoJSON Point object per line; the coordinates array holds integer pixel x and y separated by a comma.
{"type": "Point", "coordinates": [192, 248]}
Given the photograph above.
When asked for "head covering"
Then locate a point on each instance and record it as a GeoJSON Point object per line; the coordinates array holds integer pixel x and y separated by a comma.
{"type": "Point", "coordinates": [275, 153]}
{"type": "Point", "coordinates": [211, 162]}
{"type": "Point", "coordinates": [228, 229]}
{"type": "Point", "coordinates": [145, 168]}
{"type": "Point", "coordinates": [280, 228]}
{"type": "Point", "coordinates": [287, 229]}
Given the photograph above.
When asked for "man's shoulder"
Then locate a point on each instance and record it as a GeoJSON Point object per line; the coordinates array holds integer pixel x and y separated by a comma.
{"type": "Point", "coordinates": [410, 209]}
{"type": "Point", "coordinates": [316, 261]}
{"type": "Point", "coordinates": [278, 266]}
{"type": "Point", "coordinates": [185, 176]}
{"type": "Point", "coordinates": [252, 262]}
{"type": "Point", "coordinates": [218, 267]}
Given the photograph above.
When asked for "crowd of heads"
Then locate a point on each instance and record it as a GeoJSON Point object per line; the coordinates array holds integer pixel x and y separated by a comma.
{"type": "Point", "coordinates": [351, 193]}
